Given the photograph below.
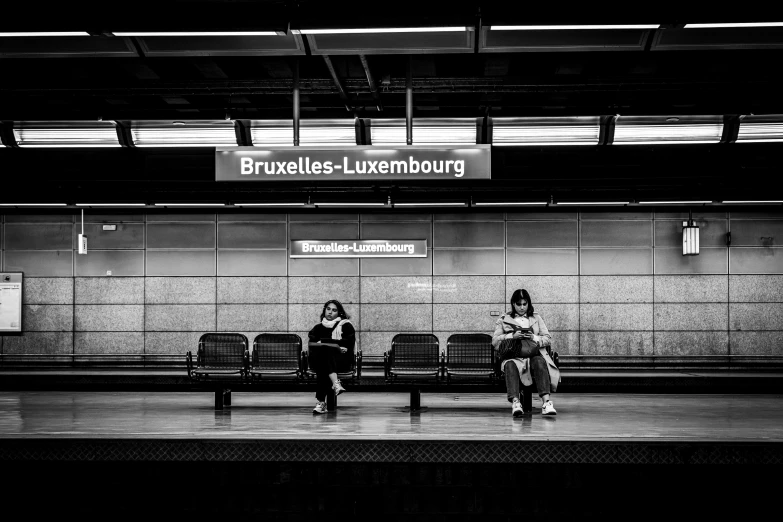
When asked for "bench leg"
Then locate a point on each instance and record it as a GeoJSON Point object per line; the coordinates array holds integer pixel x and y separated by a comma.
{"type": "Point", "coordinates": [415, 399]}
{"type": "Point", "coordinates": [218, 399]}
{"type": "Point", "coordinates": [331, 401]}
{"type": "Point", "coordinates": [527, 399]}
{"type": "Point", "coordinates": [227, 397]}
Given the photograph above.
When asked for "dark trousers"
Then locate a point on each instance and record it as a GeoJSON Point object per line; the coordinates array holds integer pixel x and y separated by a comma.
{"type": "Point", "coordinates": [526, 350]}
{"type": "Point", "coordinates": [323, 360]}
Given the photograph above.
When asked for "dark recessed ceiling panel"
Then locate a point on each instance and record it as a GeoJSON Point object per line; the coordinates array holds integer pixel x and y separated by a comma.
{"type": "Point", "coordinates": [392, 43]}
{"type": "Point", "coordinates": [66, 47]}
{"type": "Point", "coordinates": [166, 46]}
{"type": "Point", "coordinates": [562, 40]}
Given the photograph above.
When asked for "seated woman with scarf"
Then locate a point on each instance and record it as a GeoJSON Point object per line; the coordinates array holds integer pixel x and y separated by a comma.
{"type": "Point", "coordinates": [521, 338]}
{"type": "Point", "coordinates": [327, 360]}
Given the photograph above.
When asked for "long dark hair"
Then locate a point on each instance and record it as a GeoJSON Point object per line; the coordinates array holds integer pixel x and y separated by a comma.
{"type": "Point", "coordinates": [340, 309]}
{"type": "Point", "coordinates": [521, 295]}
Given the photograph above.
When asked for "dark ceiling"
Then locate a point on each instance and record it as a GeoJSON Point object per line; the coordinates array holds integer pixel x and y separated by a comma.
{"type": "Point", "coordinates": [478, 72]}
{"type": "Point", "coordinates": [640, 72]}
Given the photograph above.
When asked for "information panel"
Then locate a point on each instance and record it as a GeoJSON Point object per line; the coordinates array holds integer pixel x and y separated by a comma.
{"type": "Point", "coordinates": [10, 302]}
{"type": "Point", "coordinates": [366, 162]}
{"type": "Point", "coordinates": [359, 248]}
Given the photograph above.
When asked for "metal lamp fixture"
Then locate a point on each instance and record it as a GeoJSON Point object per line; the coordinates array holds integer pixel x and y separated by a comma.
{"type": "Point", "coordinates": [690, 237]}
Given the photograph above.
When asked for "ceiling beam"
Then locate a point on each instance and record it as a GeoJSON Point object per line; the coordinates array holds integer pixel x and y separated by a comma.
{"type": "Point", "coordinates": [338, 84]}
{"type": "Point", "coordinates": [371, 82]}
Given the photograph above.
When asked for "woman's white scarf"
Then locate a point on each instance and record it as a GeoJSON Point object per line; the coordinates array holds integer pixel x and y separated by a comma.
{"type": "Point", "coordinates": [337, 333]}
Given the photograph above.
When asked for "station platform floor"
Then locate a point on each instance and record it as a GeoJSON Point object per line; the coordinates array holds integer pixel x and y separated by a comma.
{"type": "Point", "coordinates": [462, 457]}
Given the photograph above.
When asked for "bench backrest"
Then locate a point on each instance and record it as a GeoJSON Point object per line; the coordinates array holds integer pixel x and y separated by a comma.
{"type": "Point", "coordinates": [277, 351]}
{"type": "Point", "coordinates": [415, 351]}
{"type": "Point", "coordinates": [222, 350]}
{"type": "Point", "coordinates": [470, 353]}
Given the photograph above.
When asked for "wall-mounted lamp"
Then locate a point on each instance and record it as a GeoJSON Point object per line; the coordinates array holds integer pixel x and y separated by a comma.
{"type": "Point", "coordinates": [690, 237]}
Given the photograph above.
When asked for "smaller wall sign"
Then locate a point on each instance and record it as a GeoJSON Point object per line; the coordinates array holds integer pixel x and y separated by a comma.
{"type": "Point", "coordinates": [307, 248]}
{"type": "Point", "coordinates": [10, 302]}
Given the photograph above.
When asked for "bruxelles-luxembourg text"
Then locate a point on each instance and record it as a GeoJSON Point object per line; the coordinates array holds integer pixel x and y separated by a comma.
{"type": "Point", "coordinates": [304, 166]}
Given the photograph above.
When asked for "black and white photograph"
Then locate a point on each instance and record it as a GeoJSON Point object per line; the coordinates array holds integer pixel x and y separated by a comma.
{"type": "Point", "coordinates": [465, 261]}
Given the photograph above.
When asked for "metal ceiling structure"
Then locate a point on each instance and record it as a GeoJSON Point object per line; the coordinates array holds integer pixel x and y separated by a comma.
{"type": "Point", "coordinates": [479, 68]}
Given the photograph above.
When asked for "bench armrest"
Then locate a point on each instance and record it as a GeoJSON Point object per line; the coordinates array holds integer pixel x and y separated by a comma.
{"type": "Point", "coordinates": [358, 363]}
{"type": "Point", "coordinates": [189, 362]}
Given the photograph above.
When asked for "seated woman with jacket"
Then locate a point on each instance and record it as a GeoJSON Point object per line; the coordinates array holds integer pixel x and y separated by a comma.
{"type": "Point", "coordinates": [521, 338]}
{"type": "Point", "coordinates": [338, 337]}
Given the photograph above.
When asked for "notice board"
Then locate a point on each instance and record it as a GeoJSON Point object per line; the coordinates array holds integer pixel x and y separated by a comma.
{"type": "Point", "coordinates": [10, 302]}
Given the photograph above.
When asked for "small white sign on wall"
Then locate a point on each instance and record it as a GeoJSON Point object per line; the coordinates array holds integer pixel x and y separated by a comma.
{"type": "Point", "coordinates": [10, 302]}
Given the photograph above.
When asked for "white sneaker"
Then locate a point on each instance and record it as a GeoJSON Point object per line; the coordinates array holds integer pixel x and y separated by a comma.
{"type": "Point", "coordinates": [548, 409]}
{"type": "Point", "coordinates": [320, 407]}
{"type": "Point", "coordinates": [338, 388]}
{"type": "Point", "coordinates": [516, 408]}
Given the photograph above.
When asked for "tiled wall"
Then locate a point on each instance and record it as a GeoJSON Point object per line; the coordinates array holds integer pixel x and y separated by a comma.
{"type": "Point", "coordinates": [606, 283]}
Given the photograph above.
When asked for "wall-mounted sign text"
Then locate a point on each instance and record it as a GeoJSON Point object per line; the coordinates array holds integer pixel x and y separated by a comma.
{"type": "Point", "coordinates": [354, 164]}
{"type": "Point", "coordinates": [359, 248]}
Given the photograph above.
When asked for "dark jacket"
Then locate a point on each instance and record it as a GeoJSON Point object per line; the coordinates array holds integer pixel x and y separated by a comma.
{"type": "Point", "coordinates": [344, 361]}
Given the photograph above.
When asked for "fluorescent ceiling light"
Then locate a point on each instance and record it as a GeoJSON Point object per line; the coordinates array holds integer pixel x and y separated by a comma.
{"type": "Point", "coordinates": [642, 130]}
{"type": "Point", "coordinates": [190, 204]}
{"type": "Point", "coordinates": [426, 131]}
{"type": "Point", "coordinates": [592, 202]}
{"type": "Point", "coordinates": [33, 204]}
{"type": "Point", "coordinates": [111, 204]}
{"type": "Point", "coordinates": [690, 202]}
{"type": "Point", "coordinates": [379, 30]}
{"type": "Point", "coordinates": [751, 202]}
{"type": "Point", "coordinates": [42, 33]}
{"type": "Point", "coordinates": [760, 129]}
{"type": "Point", "coordinates": [571, 27]}
{"type": "Point", "coordinates": [269, 204]}
{"type": "Point", "coordinates": [200, 33]}
{"type": "Point", "coordinates": [349, 204]}
{"type": "Point", "coordinates": [733, 25]}
{"type": "Point", "coordinates": [583, 130]}
{"type": "Point", "coordinates": [66, 134]}
{"type": "Point", "coordinates": [196, 133]}
{"type": "Point", "coordinates": [439, 204]}
{"type": "Point", "coordinates": [507, 204]}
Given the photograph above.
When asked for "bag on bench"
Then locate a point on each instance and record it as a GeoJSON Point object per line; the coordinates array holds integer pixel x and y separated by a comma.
{"type": "Point", "coordinates": [516, 349]}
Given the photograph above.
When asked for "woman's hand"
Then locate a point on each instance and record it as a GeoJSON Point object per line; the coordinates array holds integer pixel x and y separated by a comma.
{"type": "Point", "coordinates": [517, 335]}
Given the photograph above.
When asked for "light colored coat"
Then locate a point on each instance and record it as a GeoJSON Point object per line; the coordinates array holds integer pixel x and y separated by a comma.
{"type": "Point", "coordinates": [504, 329]}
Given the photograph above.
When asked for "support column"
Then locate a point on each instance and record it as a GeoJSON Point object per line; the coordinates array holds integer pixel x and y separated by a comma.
{"type": "Point", "coordinates": [409, 104]}
{"type": "Point", "coordinates": [296, 102]}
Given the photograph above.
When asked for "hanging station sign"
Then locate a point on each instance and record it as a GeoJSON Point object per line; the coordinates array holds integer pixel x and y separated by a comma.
{"type": "Point", "coordinates": [363, 162]}
{"type": "Point", "coordinates": [358, 248]}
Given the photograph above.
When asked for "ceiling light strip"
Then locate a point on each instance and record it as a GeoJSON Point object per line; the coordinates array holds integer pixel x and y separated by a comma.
{"type": "Point", "coordinates": [574, 203]}
{"type": "Point", "coordinates": [197, 33]}
{"type": "Point", "coordinates": [572, 27]}
{"type": "Point", "coordinates": [439, 204]}
{"type": "Point", "coordinates": [733, 25]}
{"type": "Point", "coordinates": [508, 203]}
{"type": "Point", "coordinates": [111, 204]}
{"type": "Point", "coordinates": [33, 204]}
{"type": "Point", "coordinates": [748, 202]}
{"type": "Point", "coordinates": [269, 204]}
{"type": "Point", "coordinates": [45, 33]}
{"type": "Point", "coordinates": [695, 202]}
{"type": "Point", "coordinates": [190, 204]}
{"type": "Point", "coordinates": [381, 30]}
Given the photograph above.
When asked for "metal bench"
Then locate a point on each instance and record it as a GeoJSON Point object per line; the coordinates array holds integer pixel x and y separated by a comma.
{"type": "Point", "coordinates": [413, 357]}
{"type": "Point", "coordinates": [276, 355]}
{"type": "Point", "coordinates": [223, 358]}
{"type": "Point", "coordinates": [470, 356]}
